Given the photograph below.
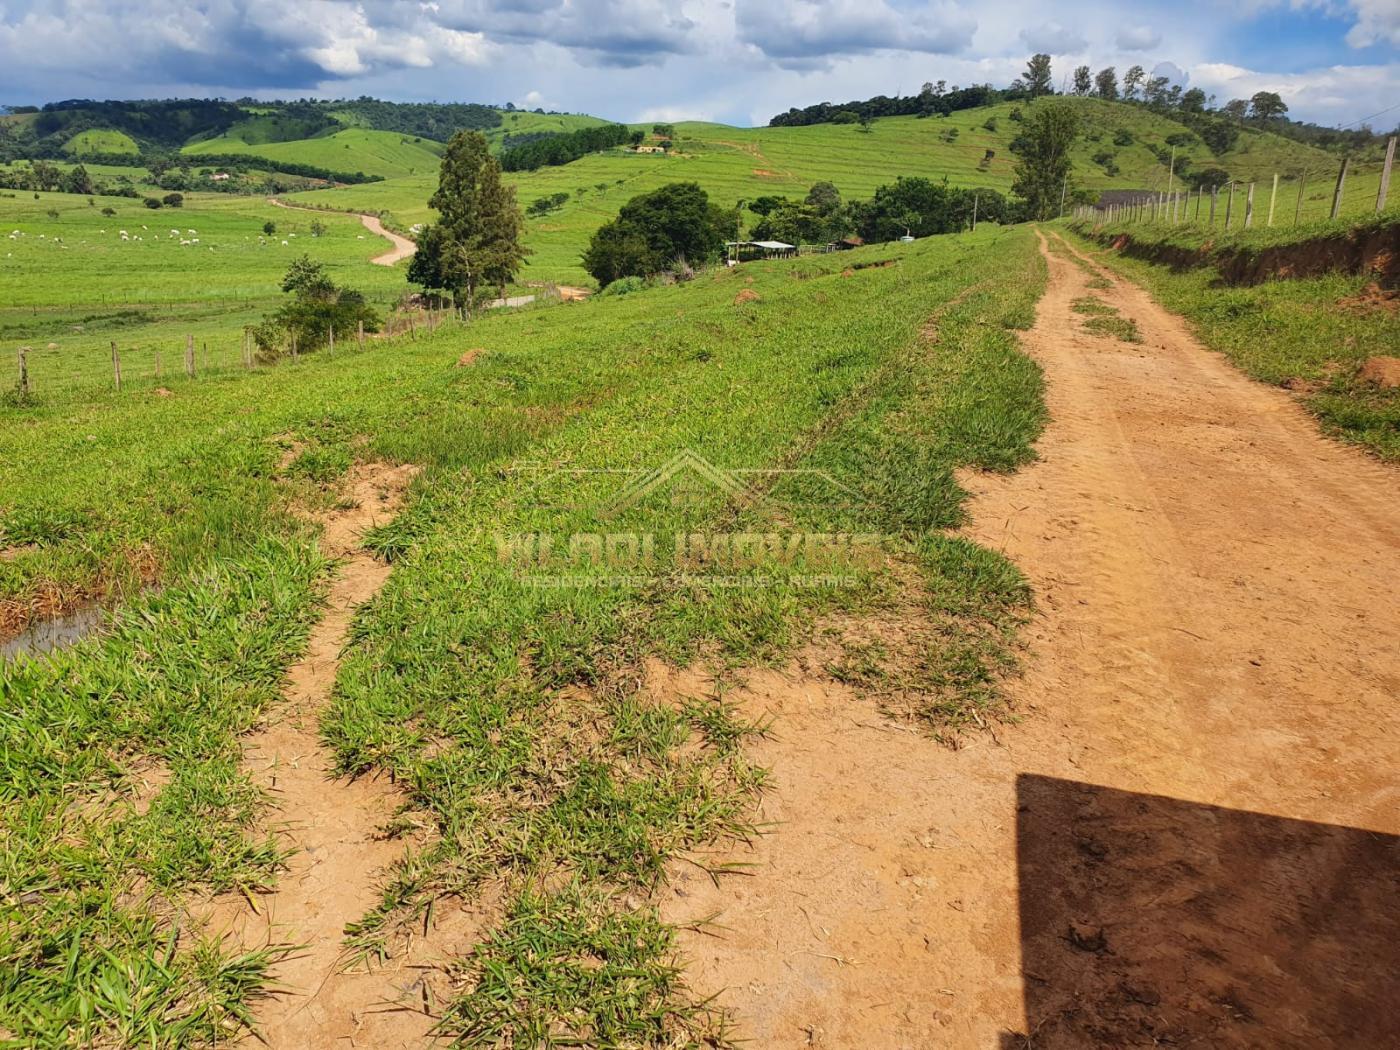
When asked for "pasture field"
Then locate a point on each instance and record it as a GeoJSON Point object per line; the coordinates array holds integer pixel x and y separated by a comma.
{"type": "Point", "coordinates": [386, 153]}
{"type": "Point", "coordinates": [740, 164]}
{"type": "Point", "coordinates": [100, 140]}
{"type": "Point", "coordinates": [75, 282]}
{"type": "Point", "coordinates": [1311, 335]}
{"type": "Point", "coordinates": [546, 786]}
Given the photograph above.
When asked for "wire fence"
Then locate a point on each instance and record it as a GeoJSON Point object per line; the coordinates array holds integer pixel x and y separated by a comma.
{"type": "Point", "coordinates": [178, 347]}
{"type": "Point", "coordinates": [1346, 192]}
{"type": "Point", "coordinates": [46, 373]}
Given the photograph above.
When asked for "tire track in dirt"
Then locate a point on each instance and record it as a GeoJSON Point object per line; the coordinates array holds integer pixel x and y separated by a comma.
{"type": "Point", "coordinates": [1189, 838]}
{"type": "Point", "coordinates": [333, 825]}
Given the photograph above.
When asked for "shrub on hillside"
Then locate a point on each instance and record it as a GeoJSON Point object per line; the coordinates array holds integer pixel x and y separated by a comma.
{"type": "Point", "coordinates": [655, 231]}
{"type": "Point", "coordinates": [317, 308]}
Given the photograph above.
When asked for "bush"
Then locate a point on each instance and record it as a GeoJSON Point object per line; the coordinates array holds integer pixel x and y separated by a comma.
{"type": "Point", "coordinates": [151, 202]}
{"type": "Point", "coordinates": [317, 306]}
{"type": "Point", "coordinates": [109, 211]}
{"type": "Point", "coordinates": [625, 286]}
{"type": "Point", "coordinates": [655, 230]}
{"type": "Point", "coordinates": [173, 200]}
{"type": "Point", "coordinates": [1123, 137]}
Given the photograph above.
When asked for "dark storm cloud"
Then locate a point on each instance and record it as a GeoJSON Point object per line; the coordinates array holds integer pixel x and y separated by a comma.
{"type": "Point", "coordinates": [804, 31]}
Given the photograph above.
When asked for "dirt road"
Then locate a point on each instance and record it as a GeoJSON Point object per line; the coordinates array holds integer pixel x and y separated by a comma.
{"type": "Point", "coordinates": [1190, 837]}
{"type": "Point", "coordinates": [402, 246]}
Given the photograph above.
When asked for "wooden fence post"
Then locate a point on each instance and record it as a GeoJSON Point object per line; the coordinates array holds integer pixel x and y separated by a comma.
{"type": "Point", "coordinates": [24, 372]}
{"type": "Point", "coordinates": [1249, 206]}
{"type": "Point", "coordinates": [1229, 205]}
{"type": "Point", "coordinates": [360, 334]}
{"type": "Point", "coordinates": [330, 345]}
{"type": "Point", "coordinates": [116, 365]}
{"type": "Point", "coordinates": [1298, 208]}
{"type": "Point", "coordinates": [294, 346]}
{"type": "Point", "coordinates": [1341, 183]}
{"type": "Point", "coordinates": [974, 198]}
{"type": "Point", "coordinates": [189, 355]}
{"type": "Point", "coordinates": [1273, 196]}
{"type": "Point", "coordinates": [1385, 175]}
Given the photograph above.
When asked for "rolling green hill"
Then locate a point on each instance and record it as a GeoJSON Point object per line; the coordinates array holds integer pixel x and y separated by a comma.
{"type": "Point", "coordinates": [384, 153]}
{"type": "Point", "coordinates": [736, 164]}
{"type": "Point", "coordinates": [101, 141]}
{"type": "Point", "coordinates": [521, 122]}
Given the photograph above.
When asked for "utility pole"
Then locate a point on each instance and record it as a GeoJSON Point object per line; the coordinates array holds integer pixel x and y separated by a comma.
{"type": "Point", "coordinates": [1064, 187]}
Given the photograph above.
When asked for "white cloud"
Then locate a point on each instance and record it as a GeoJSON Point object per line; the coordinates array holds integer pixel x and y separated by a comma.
{"type": "Point", "coordinates": [820, 30]}
{"type": "Point", "coordinates": [1377, 22]}
{"type": "Point", "coordinates": [1328, 95]}
{"type": "Point", "coordinates": [1055, 39]}
{"type": "Point", "coordinates": [1138, 38]}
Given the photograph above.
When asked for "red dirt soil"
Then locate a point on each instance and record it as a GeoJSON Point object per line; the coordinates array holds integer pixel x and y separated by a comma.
{"type": "Point", "coordinates": [1189, 839]}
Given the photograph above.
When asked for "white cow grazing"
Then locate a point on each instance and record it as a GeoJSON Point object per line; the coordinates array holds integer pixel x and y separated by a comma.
{"type": "Point", "coordinates": [193, 232]}
{"type": "Point", "coordinates": [284, 243]}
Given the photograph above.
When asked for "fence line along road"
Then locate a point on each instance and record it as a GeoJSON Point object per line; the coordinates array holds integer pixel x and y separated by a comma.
{"type": "Point", "coordinates": [1349, 192]}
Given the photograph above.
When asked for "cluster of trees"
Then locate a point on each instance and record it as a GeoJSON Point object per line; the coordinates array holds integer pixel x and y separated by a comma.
{"type": "Point", "coordinates": [676, 227]}
{"type": "Point", "coordinates": [474, 246]}
{"type": "Point", "coordinates": [544, 205]}
{"type": "Point", "coordinates": [568, 146]}
{"type": "Point", "coordinates": [430, 120]}
{"type": "Point", "coordinates": [671, 229]}
{"type": "Point", "coordinates": [933, 99]}
{"type": "Point", "coordinates": [1218, 127]}
{"type": "Point", "coordinates": [172, 167]}
{"type": "Point", "coordinates": [316, 308]}
{"type": "Point", "coordinates": [915, 206]}
{"type": "Point", "coordinates": [167, 124]}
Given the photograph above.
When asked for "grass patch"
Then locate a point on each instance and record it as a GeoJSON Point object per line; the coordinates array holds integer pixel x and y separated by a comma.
{"type": "Point", "coordinates": [1310, 335]}
{"type": "Point", "coordinates": [511, 712]}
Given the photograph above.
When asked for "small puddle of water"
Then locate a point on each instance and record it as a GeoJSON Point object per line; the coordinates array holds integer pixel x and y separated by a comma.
{"type": "Point", "coordinates": [49, 635]}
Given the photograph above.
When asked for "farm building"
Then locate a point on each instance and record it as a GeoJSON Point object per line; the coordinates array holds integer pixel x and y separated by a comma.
{"type": "Point", "coordinates": [748, 251]}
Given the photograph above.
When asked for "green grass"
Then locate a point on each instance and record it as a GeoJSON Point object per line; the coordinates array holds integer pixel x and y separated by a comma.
{"type": "Point", "coordinates": [510, 713]}
{"type": "Point", "coordinates": [1102, 319]}
{"type": "Point", "coordinates": [735, 164]}
{"type": "Point", "coordinates": [98, 140]}
{"type": "Point", "coordinates": [1309, 335]}
{"type": "Point", "coordinates": [72, 281]}
{"type": "Point", "coordinates": [521, 122]}
{"type": "Point", "coordinates": [385, 153]}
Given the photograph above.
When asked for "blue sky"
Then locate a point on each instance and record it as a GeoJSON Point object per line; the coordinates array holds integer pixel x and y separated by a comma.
{"type": "Point", "coordinates": [740, 61]}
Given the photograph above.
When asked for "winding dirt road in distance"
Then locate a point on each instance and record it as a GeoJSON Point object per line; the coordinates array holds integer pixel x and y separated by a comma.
{"type": "Point", "coordinates": [402, 246]}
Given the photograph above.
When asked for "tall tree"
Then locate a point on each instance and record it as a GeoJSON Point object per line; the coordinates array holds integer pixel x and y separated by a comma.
{"type": "Point", "coordinates": [1106, 83]}
{"type": "Point", "coordinates": [1038, 79]}
{"type": "Point", "coordinates": [1083, 82]}
{"type": "Point", "coordinates": [1194, 101]}
{"type": "Point", "coordinates": [669, 227]}
{"type": "Point", "coordinates": [1132, 81]}
{"type": "Point", "coordinates": [1265, 105]}
{"type": "Point", "coordinates": [1235, 109]}
{"type": "Point", "coordinates": [1043, 165]}
{"type": "Point", "coordinates": [475, 244]}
